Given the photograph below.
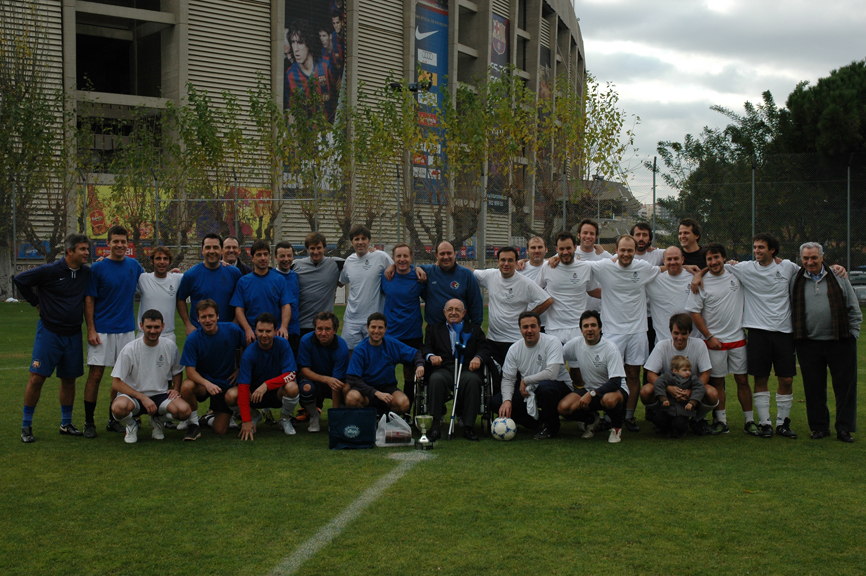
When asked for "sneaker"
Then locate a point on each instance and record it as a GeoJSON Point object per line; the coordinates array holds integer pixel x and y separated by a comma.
{"type": "Point", "coordinates": [27, 435]}
{"type": "Point", "coordinates": [70, 430]}
{"type": "Point", "coordinates": [158, 426]}
{"type": "Point", "coordinates": [603, 425]}
{"type": "Point", "coordinates": [615, 435]}
{"type": "Point", "coordinates": [315, 421]}
{"type": "Point", "coordinates": [182, 425]}
{"type": "Point", "coordinates": [631, 425]}
{"type": "Point", "coordinates": [700, 427]}
{"type": "Point", "coordinates": [286, 425]}
{"type": "Point", "coordinates": [719, 427]}
{"type": "Point", "coordinates": [169, 425]}
{"type": "Point", "coordinates": [765, 431]}
{"type": "Point", "coordinates": [233, 423]}
{"type": "Point", "coordinates": [590, 428]}
{"type": "Point", "coordinates": [784, 430]}
{"type": "Point", "coordinates": [256, 417]}
{"type": "Point", "coordinates": [543, 434]}
{"type": "Point", "coordinates": [193, 433]}
{"type": "Point", "coordinates": [303, 415]}
{"type": "Point", "coordinates": [267, 417]}
{"type": "Point", "coordinates": [89, 430]}
{"type": "Point", "coordinates": [751, 428]}
{"type": "Point", "coordinates": [114, 426]}
{"type": "Point", "coordinates": [131, 433]}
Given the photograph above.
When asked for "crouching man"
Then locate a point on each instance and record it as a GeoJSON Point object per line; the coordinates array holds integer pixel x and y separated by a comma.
{"type": "Point", "coordinates": [371, 376]}
{"type": "Point", "coordinates": [597, 364]}
{"type": "Point", "coordinates": [141, 376]}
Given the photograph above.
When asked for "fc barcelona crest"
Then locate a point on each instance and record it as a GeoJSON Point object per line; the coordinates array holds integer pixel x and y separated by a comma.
{"type": "Point", "coordinates": [499, 37]}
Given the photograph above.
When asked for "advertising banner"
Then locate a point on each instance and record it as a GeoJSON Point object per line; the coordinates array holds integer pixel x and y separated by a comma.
{"type": "Point", "coordinates": [500, 57]}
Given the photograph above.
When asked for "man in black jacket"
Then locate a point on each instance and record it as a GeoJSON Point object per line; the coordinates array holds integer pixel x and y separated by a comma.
{"type": "Point", "coordinates": [455, 338]}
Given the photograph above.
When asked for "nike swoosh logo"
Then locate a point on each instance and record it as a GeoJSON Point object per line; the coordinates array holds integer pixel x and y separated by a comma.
{"type": "Point", "coordinates": [420, 36]}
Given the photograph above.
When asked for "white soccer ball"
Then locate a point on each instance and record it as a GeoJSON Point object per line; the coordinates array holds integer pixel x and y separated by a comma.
{"type": "Point", "coordinates": [503, 429]}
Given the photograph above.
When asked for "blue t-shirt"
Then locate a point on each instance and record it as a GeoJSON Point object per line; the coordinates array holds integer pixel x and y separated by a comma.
{"type": "Point", "coordinates": [326, 361]}
{"type": "Point", "coordinates": [375, 364]}
{"type": "Point", "coordinates": [259, 365]}
{"type": "Point", "coordinates": [403, 306]}
{"type": "Point", "coordinates": [295, 294]}
{"type": "Point", "coordinates": [213, 357]}
{"type": "Point", "coordinates": [442, 286]}
{"type": "Point", "coordinates": [200, 283]}
{"type": "Point", "coordinates": [112, 283]}
{"type": "Point", "coordinates": [257, 294]}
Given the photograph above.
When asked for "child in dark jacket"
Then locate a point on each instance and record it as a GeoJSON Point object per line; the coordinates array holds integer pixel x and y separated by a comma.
{"type": "Point", "coordinates": [674, 415]}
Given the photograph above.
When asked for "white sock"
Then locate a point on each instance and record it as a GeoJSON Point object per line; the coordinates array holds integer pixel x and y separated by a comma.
{"type": "Point", "coordinates": [722, 416]}
{"type": "Point", "coordinates": [193, 418]}
{"type": "Point", "coordinates": [783, 407]}
{"type": "Point", "coordinates": [126, 420]}
{"type": "Point", "coordinates": [289, 405]}
{"type": "Point", "coordinates": [629, 414]}
{"type": "Point", "coordinates": [762, 407]}
{"type": "Point", "coordinates": [749, 415]}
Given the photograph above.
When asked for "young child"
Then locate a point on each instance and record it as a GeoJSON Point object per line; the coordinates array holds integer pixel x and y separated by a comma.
{"type": "Point", "coordinates": [676, 410]}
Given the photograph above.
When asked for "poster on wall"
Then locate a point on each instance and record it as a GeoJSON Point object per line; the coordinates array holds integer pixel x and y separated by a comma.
{"type": "Point", "coordinates": [500, 57]}
{"type": "Point", "coordinates": [431, 49]}
{"type": "Point", "coordinates": [545, 91]}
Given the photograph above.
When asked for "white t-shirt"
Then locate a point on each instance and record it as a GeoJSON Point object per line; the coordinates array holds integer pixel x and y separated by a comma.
{"type": "Point", "coordinates": [531, 271]}
{"type": "Point", "coordinates": [597, 364]}
{"type": "Point", "coordinates": [364, 277]}
{"type": "Point", "coordinates": [623, 293]}
{"type": "Point", "coordinates": [656, 257]}
{"type": "Point", "coordinates": [591, 256]}
{"type": "Point", "coordinates": [767, 304]}
{"type": "Point", "coordinates": [720, 302]}
{"type": "Point", "coordinates": [159, 294]}
{"type": "Point", "coordinates": [567, 285]}
{"type": "Point", "coordinates": [148, 369]}
{"type": "Point", "coordinates": [696, 351]}
{"type": "Point", "coordinates": [529, 361]}
{"type": "Point", "coordinates": [668, 295]}
{"type": "Point", "coordinates": [508, 297]}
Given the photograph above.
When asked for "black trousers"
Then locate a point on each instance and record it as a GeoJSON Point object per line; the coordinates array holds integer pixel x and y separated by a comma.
{"type": "Point", "coordinates": [469, 395]}
{"type": "Point", "coordinates": [547, 397]}
{"type": "Point", "coordinates": [499, 350]}
{"type": "Point", "coordinates": [409, 369]}
{"type": "Point", "coordinates": [840, 356]}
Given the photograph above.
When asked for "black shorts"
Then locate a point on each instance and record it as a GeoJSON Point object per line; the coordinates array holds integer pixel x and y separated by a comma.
{"type": "Point", "coordinates": [271, 399]}
{"type": "Point", "coordinates": [766, 350]}
{"type": "Point", "coordinates": [380, 406]}
{"type": "Point", "coordinates": [217, 402]}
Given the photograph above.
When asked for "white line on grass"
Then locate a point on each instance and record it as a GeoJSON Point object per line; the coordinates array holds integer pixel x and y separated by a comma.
{"type": "Point", "coordinates": [332, 529]}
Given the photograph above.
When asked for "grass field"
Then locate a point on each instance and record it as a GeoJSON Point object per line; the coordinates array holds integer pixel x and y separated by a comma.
{"type": "Point", "coordinates": [729, 504]}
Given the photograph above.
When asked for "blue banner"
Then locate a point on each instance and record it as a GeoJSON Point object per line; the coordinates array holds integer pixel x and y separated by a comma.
{"type": "Point", "coordinates": [431, 50]}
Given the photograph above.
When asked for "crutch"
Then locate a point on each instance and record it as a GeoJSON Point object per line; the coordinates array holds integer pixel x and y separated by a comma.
{"type": "Point", "coordinates": [458, 370]}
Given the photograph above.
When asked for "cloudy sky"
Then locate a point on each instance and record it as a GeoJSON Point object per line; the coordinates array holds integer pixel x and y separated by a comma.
{"type": "Point", "coordinates": [672, 59]}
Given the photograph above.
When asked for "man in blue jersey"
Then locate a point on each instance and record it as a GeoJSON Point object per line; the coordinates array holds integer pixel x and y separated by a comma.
{"type": "Point", "coordinates": [446, 280]}
{"type": "Point", "coordinates": [208, 280]}
{"type": "Point", "coordinates": [209, 356]}
{"type": "Point", "coordinates": [322, 361]}
{"type": "Point", "coordinates": [371, 374]}
{"type": "Point", "coordinates": [266, 378]}
{"type": "Point", "coordinates": [265, 290]}
{"type": "Point", "coordinates": [285, 256]}
{"type": "Point", "coordinates": [59, 298]}
{"type": "Point", "coordinates": [110, 317]}
{"type": "Point", "coordinates": [403, 295]}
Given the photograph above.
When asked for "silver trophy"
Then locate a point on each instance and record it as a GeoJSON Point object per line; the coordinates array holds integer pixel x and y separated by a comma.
{"type": "Point", "coordinates": [423, 422]}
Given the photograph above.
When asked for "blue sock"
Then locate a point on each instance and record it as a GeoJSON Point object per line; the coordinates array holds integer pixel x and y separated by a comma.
{"type": "Point", "coordinates": [65, 415]}
{"type": "Point", "coordinates": [28, 416]}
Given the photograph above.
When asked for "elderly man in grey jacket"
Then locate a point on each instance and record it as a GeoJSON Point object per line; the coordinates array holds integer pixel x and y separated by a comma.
{"type": "Point", "coordinates": [826, 317]}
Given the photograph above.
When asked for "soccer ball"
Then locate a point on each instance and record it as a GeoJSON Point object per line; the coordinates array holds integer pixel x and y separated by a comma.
{"type": "Point", "coordinates": [503, 429]}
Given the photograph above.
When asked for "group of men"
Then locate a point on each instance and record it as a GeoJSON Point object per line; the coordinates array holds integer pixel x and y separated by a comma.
{"type": "Point", "coordinates": [566, 340]}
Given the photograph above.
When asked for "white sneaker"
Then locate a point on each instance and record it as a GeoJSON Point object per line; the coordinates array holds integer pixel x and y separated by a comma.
{"type": "Point", "coordinates": [183, 425]}
{"type": "Point", "coordinates": [286, 425]}
{"type": "Point", "coordinates": [590, 428]}
{"type": "Point", "coordinates": [158, 432]}
{"type": "Point", "coordinates": [233, 423]}
{"type": "Point", "coordinates": [315, 420]}
{"type": "Point", "coordinates": [131, 433]}
{"type": "Point", "coordinates": [615, 435]}
{"type": "Point", "coordinates": [256, 417]}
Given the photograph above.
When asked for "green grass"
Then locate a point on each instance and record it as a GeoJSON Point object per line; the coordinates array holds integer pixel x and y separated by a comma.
{"type": "Point", "coordinates": [732, 504]}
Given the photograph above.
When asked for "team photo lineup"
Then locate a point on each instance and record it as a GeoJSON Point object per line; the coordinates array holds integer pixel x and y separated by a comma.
{"type": "Point", "coordinates": [577, 339]}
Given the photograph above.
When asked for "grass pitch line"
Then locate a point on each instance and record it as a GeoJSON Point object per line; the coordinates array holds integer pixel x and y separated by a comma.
{"type": "Point", "coordinates": [323, 537]}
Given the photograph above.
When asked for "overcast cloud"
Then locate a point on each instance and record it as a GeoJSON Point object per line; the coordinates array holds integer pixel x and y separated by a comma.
{"type": "Point", "coordinates": [672, 59]}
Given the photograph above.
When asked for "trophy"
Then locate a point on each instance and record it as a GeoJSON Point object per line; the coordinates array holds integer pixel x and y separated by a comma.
{"type": "Point", "coordinates": [423, 422]}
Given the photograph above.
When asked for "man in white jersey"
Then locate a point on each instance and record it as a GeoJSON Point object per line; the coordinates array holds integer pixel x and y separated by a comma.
{"type": "Point", "coordinates": [659, 363]}
{"type": "Point", "coordinates": [509, 294]}
{"type": "Point", "coordinates": [141, 375]}
{"type": "Point", "coordinates": [536, 250]}
{"type": "Point", "coordinates": [643, 236]}
{"type": "Point", "coordinates": [587, 233]}
{"type": "Point", "coordinates": [158, 290]}
{"type": "Point", "coordinates": [669, 293]}
{"type": "Point", "coordinates": [363, 271]}
{"type": "Point", "coordinates": [566, 284]}
{"type": "Point", "coordinates": [717, 311]}
{"type": "Point", "coordinates": [535, 369]}
{"type": "Point", "coordinates": [623, 295]}
{"type": "Point", "coordinates": [596, 363]}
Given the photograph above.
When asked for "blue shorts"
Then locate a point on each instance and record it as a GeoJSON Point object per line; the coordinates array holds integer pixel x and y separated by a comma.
{"type": "Point", "coordinates": [50, 351]}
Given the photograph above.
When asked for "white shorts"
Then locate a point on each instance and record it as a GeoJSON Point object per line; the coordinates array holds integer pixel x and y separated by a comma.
{"type": "Point", "coordinates": [106, 354]}
{"type": "Point", "coordinates": [166, 335]}
{"type": "Point", "coordinates": [353, 334]}
{"type": "Point", "coordinates": [564, 334]}
{"type": "Point", "coordinates": [633, 347]}
{"type": "Point", "coordinates": [724, 362]}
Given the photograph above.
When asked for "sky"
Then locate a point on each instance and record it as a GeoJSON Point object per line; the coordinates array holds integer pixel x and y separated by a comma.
{"type": "Point", "coordinates": [670, 60]}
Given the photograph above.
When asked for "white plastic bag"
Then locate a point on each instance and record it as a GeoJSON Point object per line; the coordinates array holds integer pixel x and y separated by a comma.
{"type": "Point", "coordinates": [393, 431]}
